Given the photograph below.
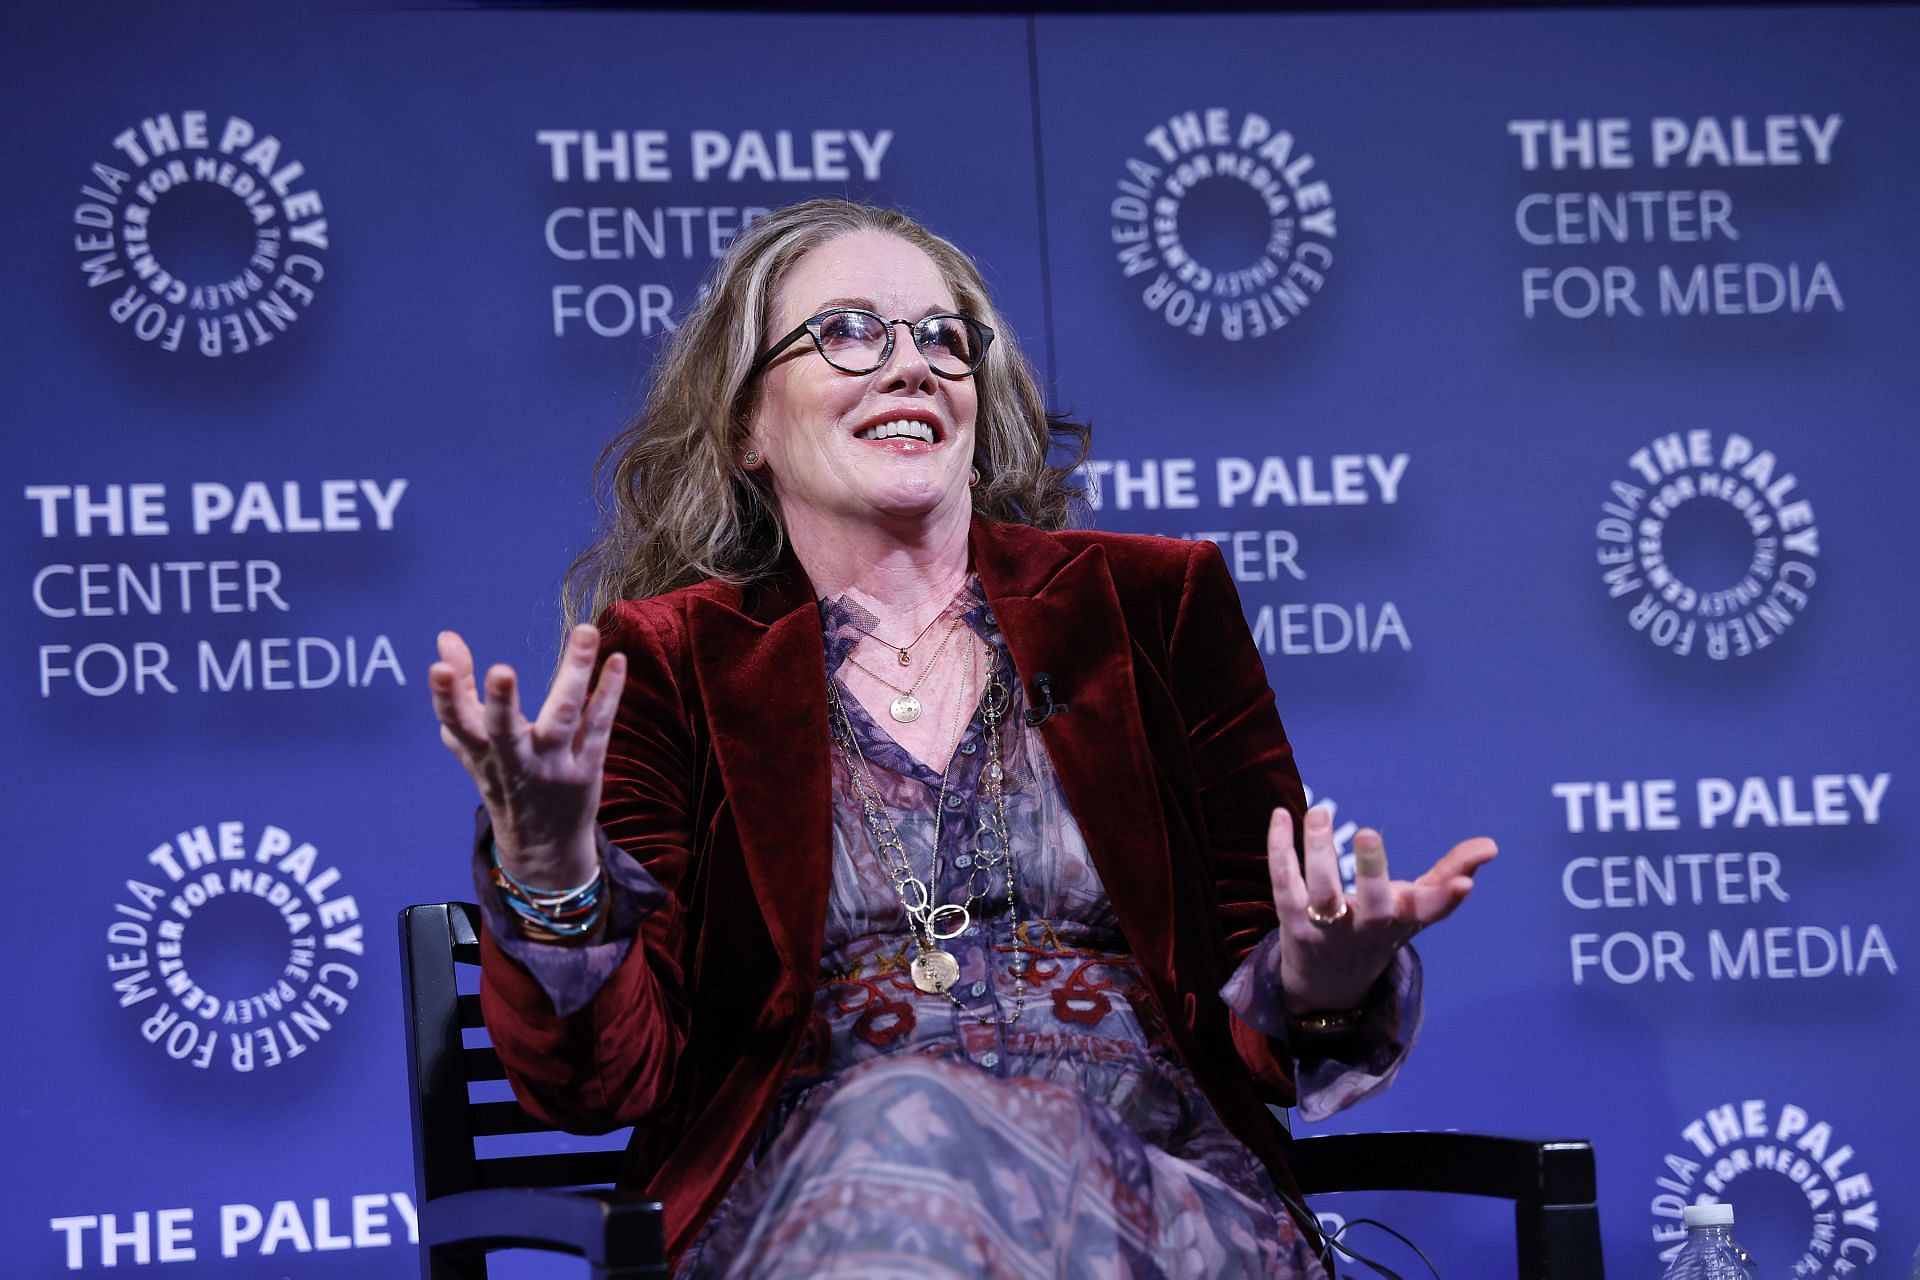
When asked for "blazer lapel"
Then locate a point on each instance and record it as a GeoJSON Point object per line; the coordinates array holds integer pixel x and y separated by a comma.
{"type": "Point", "coordinates": [763, 677]}
{"type": "Point", "coordinates": [1060, 614]}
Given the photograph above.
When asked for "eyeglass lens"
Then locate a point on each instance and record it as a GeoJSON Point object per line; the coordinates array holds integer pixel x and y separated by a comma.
{"type": "Point", "coordinates": [856, 341]}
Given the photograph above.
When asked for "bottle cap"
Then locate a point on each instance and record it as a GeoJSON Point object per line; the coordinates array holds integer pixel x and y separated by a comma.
{"type": "Point", "coordinates": [1708, 1215]}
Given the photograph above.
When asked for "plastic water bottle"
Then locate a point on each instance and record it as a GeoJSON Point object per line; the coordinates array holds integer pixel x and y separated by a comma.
{"type": "Point", "coordinates": [1710, 1252]}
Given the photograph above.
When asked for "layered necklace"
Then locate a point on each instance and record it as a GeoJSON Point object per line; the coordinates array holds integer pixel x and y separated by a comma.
{"type": "Point", "coordinates": [934, 969]}
{"type": "Point", "coordinates": [905, 707]}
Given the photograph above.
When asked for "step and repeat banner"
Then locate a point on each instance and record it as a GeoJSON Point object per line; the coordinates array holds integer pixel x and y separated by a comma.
{"type": "Point", "coordinates": [1548, 380]}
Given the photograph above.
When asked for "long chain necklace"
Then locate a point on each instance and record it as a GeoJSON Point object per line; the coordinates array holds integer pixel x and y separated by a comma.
{"type": "Point", "coordinates": [905, 707]}
{"type": "Point", "coordinates": [934, 969]}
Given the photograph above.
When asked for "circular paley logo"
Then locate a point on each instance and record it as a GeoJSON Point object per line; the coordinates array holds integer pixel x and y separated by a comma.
{"type": "Point", "coordinates": [1802, 1205]}
{"type": "Point", "coordinates": [203, 234]}
{"type": "Point", "coordinates": [1223, 222]}
{"type": "Point", "coordinates": [236, 951]}
{"type": "Point", "coordinates": [1708, 544]}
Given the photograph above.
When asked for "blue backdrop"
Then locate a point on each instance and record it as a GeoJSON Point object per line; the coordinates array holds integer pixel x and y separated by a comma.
{"type": "Point", "coordinates": [1547, 378]}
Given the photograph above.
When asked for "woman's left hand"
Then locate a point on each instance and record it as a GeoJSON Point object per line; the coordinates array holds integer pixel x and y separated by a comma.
{"type": "Point", "coordinates": [1334, 945]}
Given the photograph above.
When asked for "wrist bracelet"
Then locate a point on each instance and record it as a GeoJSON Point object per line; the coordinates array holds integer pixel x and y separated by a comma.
{"type": "Point", "coordinates": [1322, 1022]}
{"type": "Point", "coordinates": [561, 913]}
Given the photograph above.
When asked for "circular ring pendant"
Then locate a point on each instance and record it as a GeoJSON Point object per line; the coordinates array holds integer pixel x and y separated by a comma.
{"type": "Point", "coordinates": [934, 971]}
{"type": "Point", "coordinates": [905, 708]}
{"type": "Point", "coordinates": [948, 911]}
{"type": "Point", "coordinates": [914, 895]}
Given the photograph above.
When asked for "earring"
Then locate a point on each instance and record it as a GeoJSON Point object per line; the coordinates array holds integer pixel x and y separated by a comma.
{"type": "Point", "coordinates": [973, 478]}
{"type": "Point", "coordinates": [750, 459]}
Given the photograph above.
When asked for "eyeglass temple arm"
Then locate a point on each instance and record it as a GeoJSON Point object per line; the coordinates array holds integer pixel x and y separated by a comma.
{"type": "Point", "coordinates": [766, 357]}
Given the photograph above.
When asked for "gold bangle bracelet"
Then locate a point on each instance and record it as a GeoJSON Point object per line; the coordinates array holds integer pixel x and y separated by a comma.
{"type": "Point", "coordinates": [1323, 1021]}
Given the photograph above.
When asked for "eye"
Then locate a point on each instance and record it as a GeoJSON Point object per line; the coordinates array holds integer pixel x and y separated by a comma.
{"type": "Point", "coordinates": [947, 336]}
{"type": "Point", "coordinates": [851, 329]}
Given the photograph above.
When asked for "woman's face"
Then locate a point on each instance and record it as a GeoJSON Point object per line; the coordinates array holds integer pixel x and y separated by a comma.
{"type": "Point", "coordinates": [814, 425]}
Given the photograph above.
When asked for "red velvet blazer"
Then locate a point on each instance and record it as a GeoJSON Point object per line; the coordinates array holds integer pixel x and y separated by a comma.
{"type": "Point", "coordinates": [1172, 758]}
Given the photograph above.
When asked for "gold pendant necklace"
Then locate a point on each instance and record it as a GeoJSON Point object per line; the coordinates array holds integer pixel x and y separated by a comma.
{"type": "Point", "coordinates": [906, 708]}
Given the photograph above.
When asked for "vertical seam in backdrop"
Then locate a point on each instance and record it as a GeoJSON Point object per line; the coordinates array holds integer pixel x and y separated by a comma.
{"type": "Point", "coordinates": [1040, 202]}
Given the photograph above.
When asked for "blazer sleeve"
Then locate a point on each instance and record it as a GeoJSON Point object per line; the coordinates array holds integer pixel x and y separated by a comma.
{"type": "Point", "coordinates": [1245, 769]}
{"type": "Point", "coordinates": [611, 1061]}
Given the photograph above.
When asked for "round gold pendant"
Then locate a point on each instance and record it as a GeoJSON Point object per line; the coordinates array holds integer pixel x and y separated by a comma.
{"type": "Point", "coordinates": [934, 970]}
{"type": "Point", "coordinates": [905, 708]}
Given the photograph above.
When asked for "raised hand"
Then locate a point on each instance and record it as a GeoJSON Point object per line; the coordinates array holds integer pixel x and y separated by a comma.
{"type": "Point", "coordinates": [1334, 945]}
{"type": "Point", "coordinates": [539, 779]}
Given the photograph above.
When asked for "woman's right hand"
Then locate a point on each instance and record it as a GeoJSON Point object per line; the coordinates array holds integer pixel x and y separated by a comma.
{"type": "Point", "coordinates": [539, 779]}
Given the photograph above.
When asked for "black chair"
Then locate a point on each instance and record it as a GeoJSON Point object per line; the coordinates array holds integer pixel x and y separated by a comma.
{"type": "Point", "coordinates": [471, 1204]}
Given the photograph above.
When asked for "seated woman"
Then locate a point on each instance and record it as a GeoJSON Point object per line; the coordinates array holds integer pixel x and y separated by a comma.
{"type": "Point", "coordinates": [927, 883]}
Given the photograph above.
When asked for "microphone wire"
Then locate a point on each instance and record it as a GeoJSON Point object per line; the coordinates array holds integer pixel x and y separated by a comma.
{"type": "Point", "coordinates": [1328, 1244]}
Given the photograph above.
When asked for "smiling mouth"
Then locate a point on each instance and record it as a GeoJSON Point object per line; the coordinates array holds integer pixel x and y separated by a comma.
{"type": "Point", "coordinates": [900, 429]}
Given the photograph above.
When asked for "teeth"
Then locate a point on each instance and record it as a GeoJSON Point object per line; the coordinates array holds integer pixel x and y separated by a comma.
{"type": "Point", "coordinates": [911, 428]}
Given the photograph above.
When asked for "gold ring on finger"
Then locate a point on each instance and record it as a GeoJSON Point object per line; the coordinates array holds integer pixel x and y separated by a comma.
{"type": "Point", "coordinates": [1327, 919]}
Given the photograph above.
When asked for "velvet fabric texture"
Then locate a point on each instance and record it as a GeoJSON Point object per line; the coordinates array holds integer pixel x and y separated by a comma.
{"type": "Point", "coordinates": [1171, 757]}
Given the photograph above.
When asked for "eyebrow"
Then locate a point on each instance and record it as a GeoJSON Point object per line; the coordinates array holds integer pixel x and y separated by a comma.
{"type": "Point", "coordinates": [868, 304]}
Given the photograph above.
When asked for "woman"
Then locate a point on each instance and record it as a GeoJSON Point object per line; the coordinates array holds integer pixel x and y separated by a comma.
{"type": "Point", "coordinates": [889, 877]}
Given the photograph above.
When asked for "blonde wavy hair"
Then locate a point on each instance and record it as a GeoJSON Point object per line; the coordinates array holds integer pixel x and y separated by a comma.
{"type": "Point", "coordinates": [674, 505]}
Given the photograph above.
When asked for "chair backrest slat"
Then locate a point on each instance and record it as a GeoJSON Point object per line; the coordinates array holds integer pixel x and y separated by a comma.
{"type": "Point", "coordinates": [573, 1169]}
{"type": "Point", "coordinates": [491, 1119]}
{"type": "Point", "coordinates": [483, 1064]}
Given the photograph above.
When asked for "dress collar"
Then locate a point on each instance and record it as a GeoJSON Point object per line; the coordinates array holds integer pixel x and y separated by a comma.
{"type": "Point", "coordinates": [844, 623]}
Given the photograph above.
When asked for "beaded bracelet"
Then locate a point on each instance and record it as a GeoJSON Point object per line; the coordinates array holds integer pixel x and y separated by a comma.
{"type": "Point", "coordinates": [563, 913]}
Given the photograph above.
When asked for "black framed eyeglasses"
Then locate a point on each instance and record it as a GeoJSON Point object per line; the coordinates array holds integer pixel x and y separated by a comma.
{"type": "Point", "coordinates": [854, 340]}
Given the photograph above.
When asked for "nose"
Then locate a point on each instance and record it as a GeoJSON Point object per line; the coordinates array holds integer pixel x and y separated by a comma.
{"type": "Point", "coordinates": [906, 366]}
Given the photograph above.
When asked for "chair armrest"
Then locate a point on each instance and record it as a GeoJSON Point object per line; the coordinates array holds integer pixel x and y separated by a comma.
{"type": "Point", "coordinates": [609, 1234]}
{"type": "Point", "coordinates": [1525, 1170]}
{"type": "Point", "coordinates": [1550, 1181]}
